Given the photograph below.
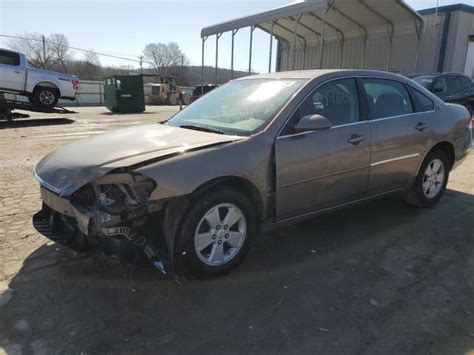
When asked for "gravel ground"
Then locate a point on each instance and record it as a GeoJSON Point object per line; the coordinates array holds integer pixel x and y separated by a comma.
{"type": "Point", "coordinates": [376, 278]}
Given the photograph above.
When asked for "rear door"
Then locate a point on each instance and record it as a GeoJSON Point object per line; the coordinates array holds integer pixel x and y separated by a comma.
{"type": "Point", "coordinates": [12, 74]}
{"type": "Point", "coordinates": [321, 169]}
{"type": "Point", "coordinates": [399, 135]}
{"type": "Point", "coordinates": [455, 89]}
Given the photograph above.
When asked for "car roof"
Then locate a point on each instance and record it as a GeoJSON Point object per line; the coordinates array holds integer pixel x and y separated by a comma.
{"type": "Point", "coordinates": [316, 73]}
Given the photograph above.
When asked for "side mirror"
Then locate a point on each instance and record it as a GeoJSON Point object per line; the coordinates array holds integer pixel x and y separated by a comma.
{"type": "Point", "coordinates": [312, 123]}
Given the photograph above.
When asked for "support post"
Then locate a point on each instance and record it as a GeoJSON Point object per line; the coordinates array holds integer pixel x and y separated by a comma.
{"type": "Point", "coordinates": [217, 56]}
{"type": "Point", "coordinates": [271, 49]}
{"type": "Point", "coordinates": [232, 54]}
{"type": "Point", "coordinates": [202, 65]}
{"type": "Point", "coordinates": [390, 46]}
{"type": "Point", "coordinates": [323, 32]}
{"type": "Point", "coordinates": [295, 34]}
{"type": "Point", "coordinates": [44, 53]}
{"type": "Point", "coordinates": [252, 28]}
{"type": "Point", "coordinates": [365, 52]}
{"type": "Point", "coordinates": [418, 41]}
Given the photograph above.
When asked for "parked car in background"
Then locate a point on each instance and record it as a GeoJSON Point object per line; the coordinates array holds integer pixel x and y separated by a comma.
{"type": "Point", "coordinates": [202, 90]}
{"type": "Point", "coordinates": [449, 87]}
{"type": "Point", "coordinates": [253, 154]}
{"type": "Point", "coordinates": [43, 88]}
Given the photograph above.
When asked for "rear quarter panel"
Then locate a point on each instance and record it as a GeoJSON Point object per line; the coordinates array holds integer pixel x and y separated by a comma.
{"type": "Point", "coordinates": [62, 81]}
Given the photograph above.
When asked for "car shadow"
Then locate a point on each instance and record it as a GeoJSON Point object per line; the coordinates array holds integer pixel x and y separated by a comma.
{"type": "Point", "coordinates": [126, 113]}
{"type": "Point", "coordinates": [326, 285]}
{"type": "Point", "coordinates": [35, 122]}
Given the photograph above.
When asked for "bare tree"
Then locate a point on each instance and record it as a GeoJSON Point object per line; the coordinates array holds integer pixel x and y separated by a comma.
{"type": "Point", "coordinates": [35, 48]}
{"type": "Point", "coordinates": [163, 57]}
{"type": "Point", "coordinates": [44, 53]}
{"type": "Point", "coordinates": [58, 45]}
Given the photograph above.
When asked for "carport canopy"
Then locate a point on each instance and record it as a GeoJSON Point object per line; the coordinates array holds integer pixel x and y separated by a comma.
{"type": "Point", "coordinates": [320, 21]}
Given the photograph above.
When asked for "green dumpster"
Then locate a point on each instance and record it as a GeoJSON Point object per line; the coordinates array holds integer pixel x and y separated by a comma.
{"type": "Point", "coordinates": [124, 93]}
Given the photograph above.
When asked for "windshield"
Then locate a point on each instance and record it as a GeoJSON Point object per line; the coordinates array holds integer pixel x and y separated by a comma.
{"type": "Point", "coordinates": [425, 80]}
{"type": "Point", "coordinates": [240, 107]}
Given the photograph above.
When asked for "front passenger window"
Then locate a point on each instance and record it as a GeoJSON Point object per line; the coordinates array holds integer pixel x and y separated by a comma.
{"type": "Point", "coordinates": [336, 100]}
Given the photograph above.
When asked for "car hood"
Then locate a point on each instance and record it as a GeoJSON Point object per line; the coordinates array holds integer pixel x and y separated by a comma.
{"type": "Point", "coordinates": [74, 165]}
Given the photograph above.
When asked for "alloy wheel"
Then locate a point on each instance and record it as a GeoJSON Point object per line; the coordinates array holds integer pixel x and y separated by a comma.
{"type": "Point", "coordinates": [220, 234]}
{"type": "Point", "coordinates": [433, 178]}
{"type": "Point", "coordinates": [46, 97]}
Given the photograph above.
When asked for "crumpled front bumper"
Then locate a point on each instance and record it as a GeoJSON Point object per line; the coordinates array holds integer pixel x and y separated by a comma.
{"type": "Point", "coordinates": [64, 230]}
{"type": "Point", "coordinates": [98, 232]}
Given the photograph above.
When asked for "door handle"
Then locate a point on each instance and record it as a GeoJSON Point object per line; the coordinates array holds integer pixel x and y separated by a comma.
{"type": "Point", "coordinates": [421, 126]}
{"type": "Point", "coordinates": [18, 71]}
{"type": "Point", "coordinates": [356, 139]}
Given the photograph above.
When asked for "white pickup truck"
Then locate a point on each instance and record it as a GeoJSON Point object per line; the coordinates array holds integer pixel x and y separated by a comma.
{"type": "Point", "coordinates": [43, 88]}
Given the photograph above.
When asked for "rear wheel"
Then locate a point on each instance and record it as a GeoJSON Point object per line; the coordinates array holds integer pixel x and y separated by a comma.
{"type": "Point", "coordinates": [470, 108]}
{"type": "Point", "coordinates": [215, 234]}
{"type": "Point", "coordinates": [431, 181]}
{"type": "Point", "coordinates": [46, 97]}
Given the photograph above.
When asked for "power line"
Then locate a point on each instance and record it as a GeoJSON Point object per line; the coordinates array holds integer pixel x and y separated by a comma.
{"type": "Point", "coordinates": [75, 48]}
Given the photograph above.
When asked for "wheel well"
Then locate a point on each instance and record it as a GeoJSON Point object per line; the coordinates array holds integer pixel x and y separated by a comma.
{"type": "Point", "coordinates": [47, 84]}
{"type": "Point", "coordinates": [237, 183]}
{"type": "Point", "coordinates": [448, 149]}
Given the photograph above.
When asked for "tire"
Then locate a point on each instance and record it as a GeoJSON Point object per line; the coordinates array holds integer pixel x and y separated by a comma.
{"type": "Point", "coordinates": [470, 108]}
{"type": "Point", "coordinates": [200, 257]}
{"type": "Point", "coordinates": [419, 194]}
{"type": "Point", "coordinates": [45, 97]}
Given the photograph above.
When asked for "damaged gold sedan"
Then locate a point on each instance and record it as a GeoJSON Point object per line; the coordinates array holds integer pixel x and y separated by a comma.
{"type": "Point", "coordinates": [190, 194]}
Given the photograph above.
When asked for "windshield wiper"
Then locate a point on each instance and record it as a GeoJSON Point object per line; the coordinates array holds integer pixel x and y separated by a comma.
{"type": "Point", "coordinates": [203, 129]}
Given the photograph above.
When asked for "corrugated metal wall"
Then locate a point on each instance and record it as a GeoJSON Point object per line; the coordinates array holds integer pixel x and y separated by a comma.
{"type": "Point", "coordinates": [403, 51]}
{"type": "Point", "coordinates": [402, 58]}
{"type": "Point", "coordinates": [462, 25]}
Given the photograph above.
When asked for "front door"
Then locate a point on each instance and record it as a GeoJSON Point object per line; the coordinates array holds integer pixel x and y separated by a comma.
{"type": "Point", "coordinates": [12, 75]}
{"type": "Point", "coordinates": [321, 169]}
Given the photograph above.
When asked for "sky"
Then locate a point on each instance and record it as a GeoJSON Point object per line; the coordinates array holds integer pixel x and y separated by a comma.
{"type": "Point", "coordinates": [124, 27]}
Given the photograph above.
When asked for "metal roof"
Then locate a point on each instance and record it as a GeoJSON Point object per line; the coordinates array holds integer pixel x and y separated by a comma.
{"type": "Point", "coordinates": [344, 19]}
{"type": "Point", "coordinates": [446, 8]}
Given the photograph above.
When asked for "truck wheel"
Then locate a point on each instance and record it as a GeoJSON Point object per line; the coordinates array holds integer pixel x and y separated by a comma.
{"type": "Point", "coordinates": [46, 97]}
{"type": "Point", "coordinates": [431, 181]}
{"type": "Point", "coordinates": [215, 234]}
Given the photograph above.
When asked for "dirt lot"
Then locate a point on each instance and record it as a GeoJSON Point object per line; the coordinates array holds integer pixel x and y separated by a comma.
{"type": "Point", "coordinates": [378, 278]}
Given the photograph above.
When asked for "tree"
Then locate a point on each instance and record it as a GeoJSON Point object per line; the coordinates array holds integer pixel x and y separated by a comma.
{"type": "Point", "coordinates": [35, 48]}
{"type": "Point", "coordinates": [58, 45]}
{"type": "Point", "coordinates": [46, 53]}
{"type": "Point", "coordinates": [163, 57]}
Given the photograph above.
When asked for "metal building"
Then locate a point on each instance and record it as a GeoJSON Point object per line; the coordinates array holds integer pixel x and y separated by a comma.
{"type": "Point", "coordinates": [448, 43]}
{"type": "Point", "coordinates": [370, 34]}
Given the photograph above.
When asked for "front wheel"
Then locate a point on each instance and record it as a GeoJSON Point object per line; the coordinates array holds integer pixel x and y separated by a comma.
{"type": "Point", "coordinates": [431, 181]}
{"type": "Point", "coordinates": [215, 234]}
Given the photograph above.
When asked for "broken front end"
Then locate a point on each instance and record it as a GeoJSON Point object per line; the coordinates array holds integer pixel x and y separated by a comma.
{"type": "Point", "coordinates": [111, 216]}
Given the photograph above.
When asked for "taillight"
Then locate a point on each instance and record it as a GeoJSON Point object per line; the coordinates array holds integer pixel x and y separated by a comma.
{"type": "Point", "coordinates": [75, 85]}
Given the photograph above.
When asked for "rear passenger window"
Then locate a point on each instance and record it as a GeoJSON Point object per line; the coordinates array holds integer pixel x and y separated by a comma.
{"type": "Point", "coordinates": [466, 82]}
{"type": "Point", "coordinates": [9, 58]}
{"type": "Point", "coordinates": [424, 102]}
{"type": "Point", "coordinates": [387, 98]}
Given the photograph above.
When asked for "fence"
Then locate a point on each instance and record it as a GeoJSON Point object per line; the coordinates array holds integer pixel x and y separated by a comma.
{"type": "Point", "coordinates": [91, 94]}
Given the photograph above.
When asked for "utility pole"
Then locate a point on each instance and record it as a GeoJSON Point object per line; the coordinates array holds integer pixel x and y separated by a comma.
{"type": "Point", "coordinates": [182, 60]}
{"type": "Point", "coordinates": [141, 64]}
{"type": "Point", "coordinates": [44, 53]}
